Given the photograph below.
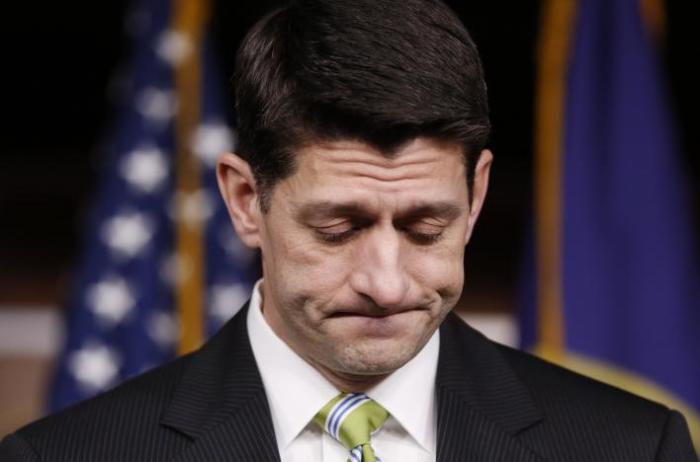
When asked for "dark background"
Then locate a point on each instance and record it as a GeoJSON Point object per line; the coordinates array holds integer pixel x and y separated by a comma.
{"type": "Point", "coordinates": [60, 59]}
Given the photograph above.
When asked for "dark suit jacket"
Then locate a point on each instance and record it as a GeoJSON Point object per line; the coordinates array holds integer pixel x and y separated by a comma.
{"type": "Point", "coordinates": [494, 404]}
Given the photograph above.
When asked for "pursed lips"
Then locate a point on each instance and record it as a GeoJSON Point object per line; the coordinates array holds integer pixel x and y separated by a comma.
{"type": "Point", "coordinates": [372, 313]}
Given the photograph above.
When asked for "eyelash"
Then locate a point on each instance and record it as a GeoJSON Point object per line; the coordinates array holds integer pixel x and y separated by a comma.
{"type": "Point", "coordinates": [420, 238]}
{"type": "Point", "coordinates": [426, 238]}
{"type": "Point", "coordinates": [336, 238]}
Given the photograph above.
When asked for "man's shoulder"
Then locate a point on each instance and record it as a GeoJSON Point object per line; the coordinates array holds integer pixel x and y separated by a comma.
{"type": "Point", "coordinates": [152, 416]}
{"type": "Point", "coordinates": [583, 412]}
{"type": "Point", "coordinates": [586, 416]}
{"type": "Point", "coordinates": [556, 412]}
{"type": "Point", "coordinates": [553, 386]}
{"type": "Point", "coordinates": [130, 412]}
{"type": "Point", "coordinates": [147, 392]}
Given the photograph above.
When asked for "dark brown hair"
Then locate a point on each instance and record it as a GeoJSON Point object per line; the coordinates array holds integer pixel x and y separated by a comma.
{"type": "Point", "coordinates": [378, 71]}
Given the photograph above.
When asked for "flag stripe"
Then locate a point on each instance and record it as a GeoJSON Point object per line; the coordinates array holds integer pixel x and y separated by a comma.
{"type": "Point", "coordinates": [615, 253]}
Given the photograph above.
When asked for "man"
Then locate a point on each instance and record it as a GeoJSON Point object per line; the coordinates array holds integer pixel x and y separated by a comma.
{"type": "Point", "coordinates": [360, 173]}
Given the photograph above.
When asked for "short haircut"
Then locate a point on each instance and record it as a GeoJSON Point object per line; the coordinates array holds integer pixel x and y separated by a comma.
{"type": "Point", "coordinates": [378, 71]}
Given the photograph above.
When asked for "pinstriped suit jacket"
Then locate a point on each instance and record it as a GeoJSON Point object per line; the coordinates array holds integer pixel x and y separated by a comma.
{"type": "Point", "coordinates": [494, 404]}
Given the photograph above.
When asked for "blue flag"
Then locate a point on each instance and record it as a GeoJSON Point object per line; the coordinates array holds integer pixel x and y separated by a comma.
{"type": "Point", "coordinates": [613, 285]}
{"type": "Point", "coordinates": [124, 313]}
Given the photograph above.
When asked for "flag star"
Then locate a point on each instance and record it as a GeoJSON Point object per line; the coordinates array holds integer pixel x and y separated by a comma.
{"type": "Point", "coordinates": [95, 367]}
{"type": "Point", "coordinates": [156, 105]}
{"type": "Point", "coordinates": [210, 141]}
{"type": "Point", "coordinates": [163, 329]}
{"type": "Point", "coordinates": [145, 169]}
{"type": "Point", "coordinates": [226, 299]}
{"type": "Point", "coordinates": [128, 233]}
{"type": "Point", "coordinates": [175, 269]}
{"type": "Point", "coordinates": [111, 300]}
{"type": "Point", "coordinates": [193, 208]}
{"type": "Point", "coordinates": [173, 46]}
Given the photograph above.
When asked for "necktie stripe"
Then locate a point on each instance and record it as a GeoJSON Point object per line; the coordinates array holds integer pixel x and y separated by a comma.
{"type": "Point", "coordinates": [339, 409]}
{"type": "Point", "coordinates": [351, 419]}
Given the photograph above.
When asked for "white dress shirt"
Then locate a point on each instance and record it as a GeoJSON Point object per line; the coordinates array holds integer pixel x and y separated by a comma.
{"type": "Point", "coordinates": [296, 392]}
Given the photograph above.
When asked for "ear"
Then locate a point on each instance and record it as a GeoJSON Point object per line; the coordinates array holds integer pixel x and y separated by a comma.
{"type": "Point", "coordinates": [479, 188]}
{"type": "Point", "coordinates": [238, 189]}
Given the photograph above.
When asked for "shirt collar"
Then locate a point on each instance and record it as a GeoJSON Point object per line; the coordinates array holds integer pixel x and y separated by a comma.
{"type": "Point", "coordinates": [296, 390]}
{"type": "Point", "coordinates": [409, 394]}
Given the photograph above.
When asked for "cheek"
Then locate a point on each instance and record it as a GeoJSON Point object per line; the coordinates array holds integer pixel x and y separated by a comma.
{"type": "Point", "coordinates": [440, 270]}
{"type": "Point", "coordinates": [301, 265]}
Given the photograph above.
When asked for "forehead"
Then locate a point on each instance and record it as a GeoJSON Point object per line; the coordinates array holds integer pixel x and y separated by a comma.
{"type": "Point", "coordinates": [420, 167]}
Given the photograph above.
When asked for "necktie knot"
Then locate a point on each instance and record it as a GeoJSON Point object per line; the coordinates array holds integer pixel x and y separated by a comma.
{"type": "Point", "coordinates": [351, 418]}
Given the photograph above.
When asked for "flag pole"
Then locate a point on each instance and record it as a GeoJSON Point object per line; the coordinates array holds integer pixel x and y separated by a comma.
{"type": "Point", "coordinates": [190, 18]}
{"type": "Point", "coordinates": [553, 51]}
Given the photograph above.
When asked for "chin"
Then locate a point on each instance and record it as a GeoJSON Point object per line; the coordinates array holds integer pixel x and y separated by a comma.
{"type": "Point", "coordinates": [376, 357]}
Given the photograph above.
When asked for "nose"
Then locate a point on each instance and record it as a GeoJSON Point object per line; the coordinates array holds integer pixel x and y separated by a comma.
{"type": "Point", "coordinates": [379, 272]}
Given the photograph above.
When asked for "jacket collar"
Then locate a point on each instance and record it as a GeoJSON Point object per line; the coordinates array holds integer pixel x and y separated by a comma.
{"type": "Point", "coordinates": [220, 402]}
{"type": "Point", "coordinates": [482, 405]}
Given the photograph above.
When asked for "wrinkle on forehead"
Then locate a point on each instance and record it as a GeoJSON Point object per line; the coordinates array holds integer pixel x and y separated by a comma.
{"type": "Point", "coordinates": [419, 159]}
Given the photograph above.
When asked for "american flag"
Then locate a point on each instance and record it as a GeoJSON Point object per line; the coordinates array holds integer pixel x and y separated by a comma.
{"type": "Point", "coordinates": [158, 229]}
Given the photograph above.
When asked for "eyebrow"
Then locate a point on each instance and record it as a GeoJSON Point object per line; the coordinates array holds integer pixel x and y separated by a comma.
{"type": "Point", "coordinates": [319, 210]}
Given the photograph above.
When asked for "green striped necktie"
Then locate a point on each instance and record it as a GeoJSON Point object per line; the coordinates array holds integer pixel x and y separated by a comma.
{"type": "Point", "coordinates": [351, 418]}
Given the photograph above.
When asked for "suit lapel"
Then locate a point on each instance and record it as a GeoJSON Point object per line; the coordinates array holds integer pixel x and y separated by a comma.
{"type": "Point", "coordinates": [482, 405]}
{"type": "Point", "coordinates": [221, 407]}
{"type": "Point", "coordinates": [220, 402]}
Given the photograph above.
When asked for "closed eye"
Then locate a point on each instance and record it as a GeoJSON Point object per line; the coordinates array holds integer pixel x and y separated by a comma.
{"type": "Point", "coordinates": [424, 233]}
{"type": "Point", "coordinates": [336, 237]}
{"type": "Point", "coordinates": [424, 238]}
{"type": "Point", "coordinates": [337, 232]}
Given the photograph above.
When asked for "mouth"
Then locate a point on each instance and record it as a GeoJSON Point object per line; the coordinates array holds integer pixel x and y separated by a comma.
{"type": "Point", "coordinates": [378, 325]}
{"type": "Point", "coordinates": [368, 314]}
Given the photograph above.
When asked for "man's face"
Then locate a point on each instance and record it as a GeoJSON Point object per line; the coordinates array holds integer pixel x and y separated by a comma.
{"type": "Point", "coordinates": [363, 255]}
